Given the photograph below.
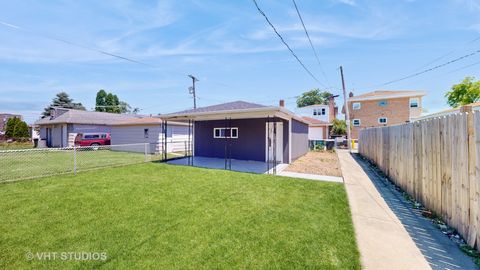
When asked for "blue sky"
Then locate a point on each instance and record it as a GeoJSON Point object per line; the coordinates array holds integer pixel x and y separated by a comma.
{"type": "Point", "coordinates": [230, 48]}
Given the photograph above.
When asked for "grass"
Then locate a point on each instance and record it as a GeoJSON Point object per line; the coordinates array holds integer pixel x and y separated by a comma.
{"type": "Point", "coordinates": [43, 162]}
{"type": "Point", "coordinates": [158, 216]}
{"type": "Point", "coordinates": [15, 145]}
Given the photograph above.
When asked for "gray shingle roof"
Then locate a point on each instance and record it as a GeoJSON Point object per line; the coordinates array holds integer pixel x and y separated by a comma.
{"type": "Point", "coordinates": [229, 106]}
{"type": "Point", "coordinates": [85, 117]}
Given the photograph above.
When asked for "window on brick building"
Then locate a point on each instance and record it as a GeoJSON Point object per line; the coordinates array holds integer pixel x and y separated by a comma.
{"type": "Point", "coordinates": [382, 120]}
{"type": "Point", "coordinates": [382, 103]}
{"type": "Point", "coordinates": [356, 122]}
{"type": "Point", "coordinates": [414, 102]}
{"type": "Point", "coordinates": [356, 105]}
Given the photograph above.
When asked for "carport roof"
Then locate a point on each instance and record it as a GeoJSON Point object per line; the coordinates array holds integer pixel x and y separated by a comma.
{"type": "Point", "coordinates": [229, 106]}
{"type": "Point", "coordinates": [234, 110]}
{"type": "Point", "coordinates": [146, 121]}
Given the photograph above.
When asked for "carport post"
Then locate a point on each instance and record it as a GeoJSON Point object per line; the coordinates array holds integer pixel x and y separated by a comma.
{"type": "Point", "coordinates": [146, 152]}
{"type": "Point", "coordinates": [74, 159]}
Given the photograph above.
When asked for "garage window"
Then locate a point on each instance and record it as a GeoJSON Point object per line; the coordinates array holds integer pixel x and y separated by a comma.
{"type": "Point", "coordinates": [225, 133]}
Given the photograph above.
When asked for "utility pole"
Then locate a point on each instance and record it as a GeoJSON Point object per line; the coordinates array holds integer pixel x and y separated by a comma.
{"type": "Point", "coordinates": [191, 90]}
{"type": "Point", "coordinates": [347, 115]}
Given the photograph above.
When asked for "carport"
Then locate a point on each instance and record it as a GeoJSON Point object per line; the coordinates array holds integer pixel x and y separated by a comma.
{"type": "Point", "coordinates": [243, 134]}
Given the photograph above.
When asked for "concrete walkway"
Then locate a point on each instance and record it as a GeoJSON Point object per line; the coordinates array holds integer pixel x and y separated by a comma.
{"type": "Point", "coordinates": [390, 233]}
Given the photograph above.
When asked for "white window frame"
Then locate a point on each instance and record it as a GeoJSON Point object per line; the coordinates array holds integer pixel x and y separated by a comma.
{"type": "Point", "coordinates": [386, 120]}
{"type": "Point", "coordinates": [323, 111]}
{"type": "Point", "coordinates": [358, 105]}
{"type": "Point", "coordinates": [359, 122]}
{"type": "Point", "coordinates": [417, 102]}
{"type": "Point", "coordinates": [225, 128]}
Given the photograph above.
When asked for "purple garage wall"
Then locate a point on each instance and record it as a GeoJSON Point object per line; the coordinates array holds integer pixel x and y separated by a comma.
{"type": "Point", "coordinates": [250, 144]}
{"type": "Point", "coordinates": [299, 139]}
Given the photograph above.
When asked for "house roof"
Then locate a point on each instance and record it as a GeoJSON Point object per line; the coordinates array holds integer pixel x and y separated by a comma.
{"type": "Point", "coordinates": [383, 94]}
{"type": "Point", "coordinates": [315, 122]}
{"type": "Point", "coordinates": [71, 116]}
{"type": "Point", "coordinates": [233, 110]}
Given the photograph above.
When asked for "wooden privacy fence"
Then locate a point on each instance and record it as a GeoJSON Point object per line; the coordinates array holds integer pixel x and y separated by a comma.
{"type": "Point", "coordinates": [436, 161]}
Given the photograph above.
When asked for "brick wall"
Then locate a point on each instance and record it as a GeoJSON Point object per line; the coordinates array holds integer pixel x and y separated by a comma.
{"type": "Point", "coordinates": [397, 111]}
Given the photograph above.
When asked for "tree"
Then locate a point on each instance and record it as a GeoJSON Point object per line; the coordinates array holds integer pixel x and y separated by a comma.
{"type": "Point", "coordinates": [108, 102]}
{"type": "Point", "coordinates": [466, 92]}
{"type": "Point", "coordinates": [100, 101]}
{"type": "Point", "coordinates": [126, 108]}
{"type": "Point", "coordinates": [16, 129]}
{"type": "Point", "coordinates": [312, 97]}
{"type": "Point", "coordinates": [339, 127]}
{"type": "Point", "coordinates": [62, 100]}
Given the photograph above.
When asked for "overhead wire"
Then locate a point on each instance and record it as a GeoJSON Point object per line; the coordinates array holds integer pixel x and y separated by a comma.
{"type": "Point", "coordinates": [310, 41]}
{"type": "Point", "coordinates": [286, 44]}
{"type": "Point", "coordinates": [430, 69]}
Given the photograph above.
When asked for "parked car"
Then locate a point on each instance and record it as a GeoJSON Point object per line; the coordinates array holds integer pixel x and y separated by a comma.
{"type": "Point", "coordinates": [92, 139]}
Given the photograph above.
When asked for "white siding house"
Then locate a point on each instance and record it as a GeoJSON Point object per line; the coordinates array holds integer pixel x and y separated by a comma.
{"type": "Point", "coordinates": [320, 112]}
{"type": "Point", "coordinates": [149, 130]}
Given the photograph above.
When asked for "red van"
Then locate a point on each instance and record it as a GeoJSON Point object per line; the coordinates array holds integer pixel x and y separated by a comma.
{"type": "Point", "coordinates": [92, 139]}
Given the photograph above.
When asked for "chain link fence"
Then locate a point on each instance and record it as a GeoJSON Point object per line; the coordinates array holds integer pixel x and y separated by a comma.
{"type": "Point", "coordinates": [34, 163]}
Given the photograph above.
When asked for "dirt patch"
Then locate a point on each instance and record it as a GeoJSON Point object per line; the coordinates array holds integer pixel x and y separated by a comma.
{"type": "Point", "coordinates": [321, 163]}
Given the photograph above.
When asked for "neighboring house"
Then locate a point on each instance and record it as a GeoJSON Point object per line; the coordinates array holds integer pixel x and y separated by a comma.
{"type": "Point", "coordinates": [465, 108]}
{"type": "Point", "coordinates": [4, 119]}
{"type": "Point", "coordinates": [317, 129]}
{"type": "Point", "coordinates": [59, 129]}
{"type": "Point", "coordinates": [149, 130]}
{"type": "Point", "coordinates": [383, 108]}
{"type": "Point", "coordinates": [246, 131]}
{"type": "Point", "coordinates": [319, 118]}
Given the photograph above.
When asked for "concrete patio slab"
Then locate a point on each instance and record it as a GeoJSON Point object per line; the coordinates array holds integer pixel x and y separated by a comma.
{"type": "Point", "coordinates": [237, 165]}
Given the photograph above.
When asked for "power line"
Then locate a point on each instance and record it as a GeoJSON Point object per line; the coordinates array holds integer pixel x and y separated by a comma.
{"type": "Point", "coordinates": [430, 69]}
{"type": "Point", "coordinates": [77, 45]}
{"type": "Point", "coordinates": [286, 44]}
{"type": "Point", "coordinates": [310, 41]}
{"type": "Point", "coordinates": [448, 53]}
{"type": "Point", "coordinates": [462, 68]}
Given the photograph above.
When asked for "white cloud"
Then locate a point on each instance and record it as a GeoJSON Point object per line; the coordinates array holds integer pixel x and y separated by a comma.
{"type": "Point", "coordinates": [348, 2]}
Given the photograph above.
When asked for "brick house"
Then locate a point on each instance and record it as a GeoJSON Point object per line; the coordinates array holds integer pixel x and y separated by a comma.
{"type": "Point", "coordinates": [383, 108]}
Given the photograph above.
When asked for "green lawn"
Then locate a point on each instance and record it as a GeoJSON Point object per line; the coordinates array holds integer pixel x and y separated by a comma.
{"type": "Point", "coordinates": [15, 145]}
{"type": "Point", "coordinates": [21, 164]}
{"type": "Point", "coordinates": [158, 216]}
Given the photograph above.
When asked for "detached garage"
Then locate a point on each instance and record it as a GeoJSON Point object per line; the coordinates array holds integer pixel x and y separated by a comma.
{"type": "Point", "coordinates": [246, 131]}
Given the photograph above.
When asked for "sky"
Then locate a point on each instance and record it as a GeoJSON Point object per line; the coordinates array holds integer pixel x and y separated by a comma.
{"type": "Point", "coordinates": [231, 49]}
